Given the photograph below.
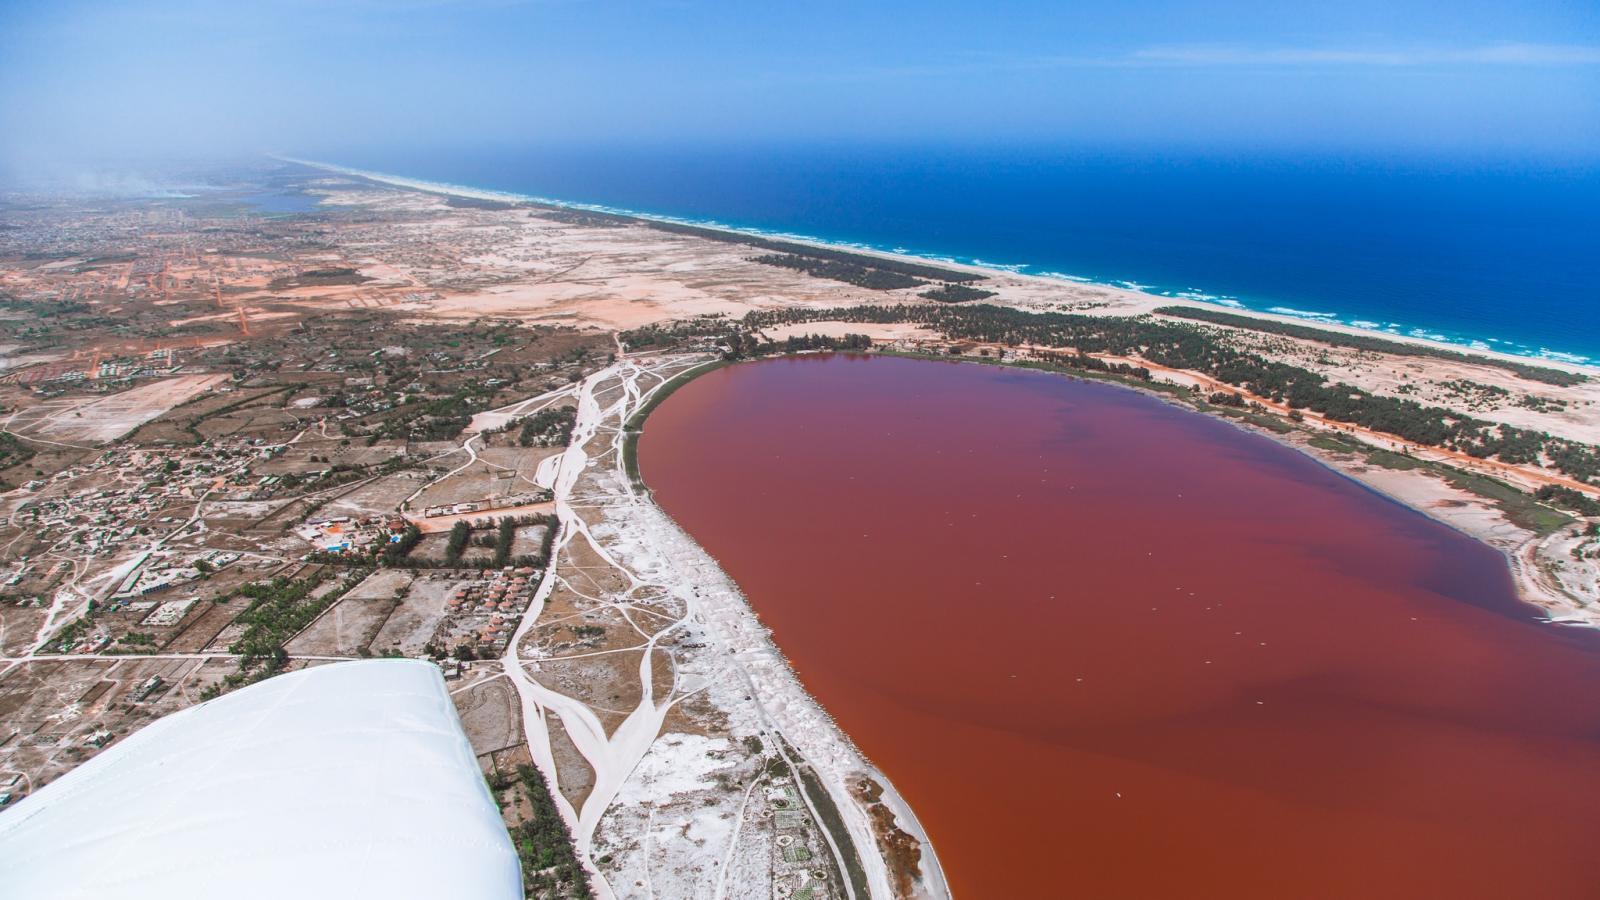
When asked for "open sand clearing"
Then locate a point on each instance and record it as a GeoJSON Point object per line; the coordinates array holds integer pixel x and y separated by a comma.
{"type": "Point", "coordinates": [99, 419]}
{"type": "Point", "coordinates": [439, 524]}
{"type": "Point", "coordinates": [1143, 651]}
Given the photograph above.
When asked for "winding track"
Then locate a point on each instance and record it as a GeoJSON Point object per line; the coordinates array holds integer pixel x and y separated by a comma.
{"type": "Point", "coordinates": [612, 758]}
{"type": "Point", "coordinates": [709, 602]}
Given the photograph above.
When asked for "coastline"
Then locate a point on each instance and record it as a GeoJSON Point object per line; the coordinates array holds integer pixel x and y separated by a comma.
{"type": "Point", "coordinates": [1540, 589]}
{"type": "Point", "coordinates": [1280, 313]}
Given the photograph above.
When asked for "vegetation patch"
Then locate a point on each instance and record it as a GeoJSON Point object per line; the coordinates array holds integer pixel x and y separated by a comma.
{"type": "Point", "coordinates": [828, 812]}
{"type": "Point", "coordinates": [884, 263]}
{"type": "Point", "coordinates": [550, 427]}
{"type": "Point", "coordinates": [742, 345]}
{"type": "Point", "coordinates": [849, 272]}
{"type": "Point", "coordinates": [13, 451]}
{"type": "Point", "coordinates": [1567, 498]}
{"type": "Point", "coordinates": [497, 536]}
{"type": "Point", "coordinates": [328, 277]}
{"type": "Point", "coordinates": [583, 218]}
{"type": "Point", "coordinates": [1388, 459]}
{"type": "Point", "coordinates": [1259, 419]}
{"type": "Point", "coordinates": [550, 867]}
{"type": "Point", "coordinates": [342, 473]}
{"type": "Point", "coordinates": [955, 293]}
{"type": "Point", "coordinates": [630, 436]}
{"type": "Point", "coordinates": [900, 850]}
{"type": "Point", "coordinates": [456, 202]}
{"type": "Point", "coordinates": [925, 271]}
{"type": "Point", "coordinates": [1522, 509]}
{"type": "Point", "coordinates": [279, 609]}
{"type": "Point", "coordinates": [1366, 342]}
{"type": "Point", "coordinates": [1334, 444]}
{"type": "Point", "coordinates": [192, 426]}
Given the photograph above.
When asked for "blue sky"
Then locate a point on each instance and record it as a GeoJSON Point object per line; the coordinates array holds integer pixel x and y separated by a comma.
{"type": "Point", "coordinates": [1518, 80]}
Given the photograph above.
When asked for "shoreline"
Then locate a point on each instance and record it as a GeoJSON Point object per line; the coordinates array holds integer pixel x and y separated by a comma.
{"type": "Point", "coordinates": [796, 715]}
{"type": "Point", "coordinates": [786, 705]}
{"type": "Point", "coordinates": [1280, 312]}
{"type": "Point", "coordinates": [1522, 573]}
{"type": "Point", "coordinates": [1557, 609]}
{"type": "Point", "coordinates": [1529, 557]}
{"type": "Point", "coordinates": [1468, 601]}
{"type": "Point", "coordinates": [1540, 589]}
{"type": "Point", "coordinates": [741, 670]}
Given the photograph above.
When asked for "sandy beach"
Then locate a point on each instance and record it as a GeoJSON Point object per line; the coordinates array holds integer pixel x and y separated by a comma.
{"type": "Point", "coordinates": [1040, 287]}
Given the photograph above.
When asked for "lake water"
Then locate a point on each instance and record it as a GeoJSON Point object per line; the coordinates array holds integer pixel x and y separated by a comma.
{"type": "Point", "coordinates": [1110, 648]}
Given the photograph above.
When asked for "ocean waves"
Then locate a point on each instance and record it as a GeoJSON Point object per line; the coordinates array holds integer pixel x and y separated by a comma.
{"type": "Point", "coordinates": [1428, 322]}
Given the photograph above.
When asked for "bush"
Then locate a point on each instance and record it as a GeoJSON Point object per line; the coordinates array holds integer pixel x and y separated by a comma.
{"type": "Point", "coordinates": [1567, 498]}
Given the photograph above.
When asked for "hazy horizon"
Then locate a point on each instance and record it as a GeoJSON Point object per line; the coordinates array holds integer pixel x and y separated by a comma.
{"type": "Point", "coordinates": [88, 80]}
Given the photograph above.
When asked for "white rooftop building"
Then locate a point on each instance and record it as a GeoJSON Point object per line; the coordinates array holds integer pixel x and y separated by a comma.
{"type": "Point", "coordinates": [342, 781]}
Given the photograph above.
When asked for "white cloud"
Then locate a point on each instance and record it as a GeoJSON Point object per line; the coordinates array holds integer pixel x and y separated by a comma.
{"type": "Point", "coordinates": [1518, 54]}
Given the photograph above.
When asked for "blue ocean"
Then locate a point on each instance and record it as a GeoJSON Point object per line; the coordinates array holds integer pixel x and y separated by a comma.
{"type": "Point", "coordinates": [1478, 253]}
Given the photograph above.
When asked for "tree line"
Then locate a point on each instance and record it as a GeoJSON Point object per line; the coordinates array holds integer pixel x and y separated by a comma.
{"type": "Point", "coordinates": [550, 867]}
{"type": "Point", "coordinates": [742, 345]}
{"type": "Point", "coordinates": [955, 293]}
{"type": "Point", "coordinates": [1183, 346]}
{"type": "Point", "coordinates": [278, 610]}
{"type": "Point", "coordinates": [849, 272]}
